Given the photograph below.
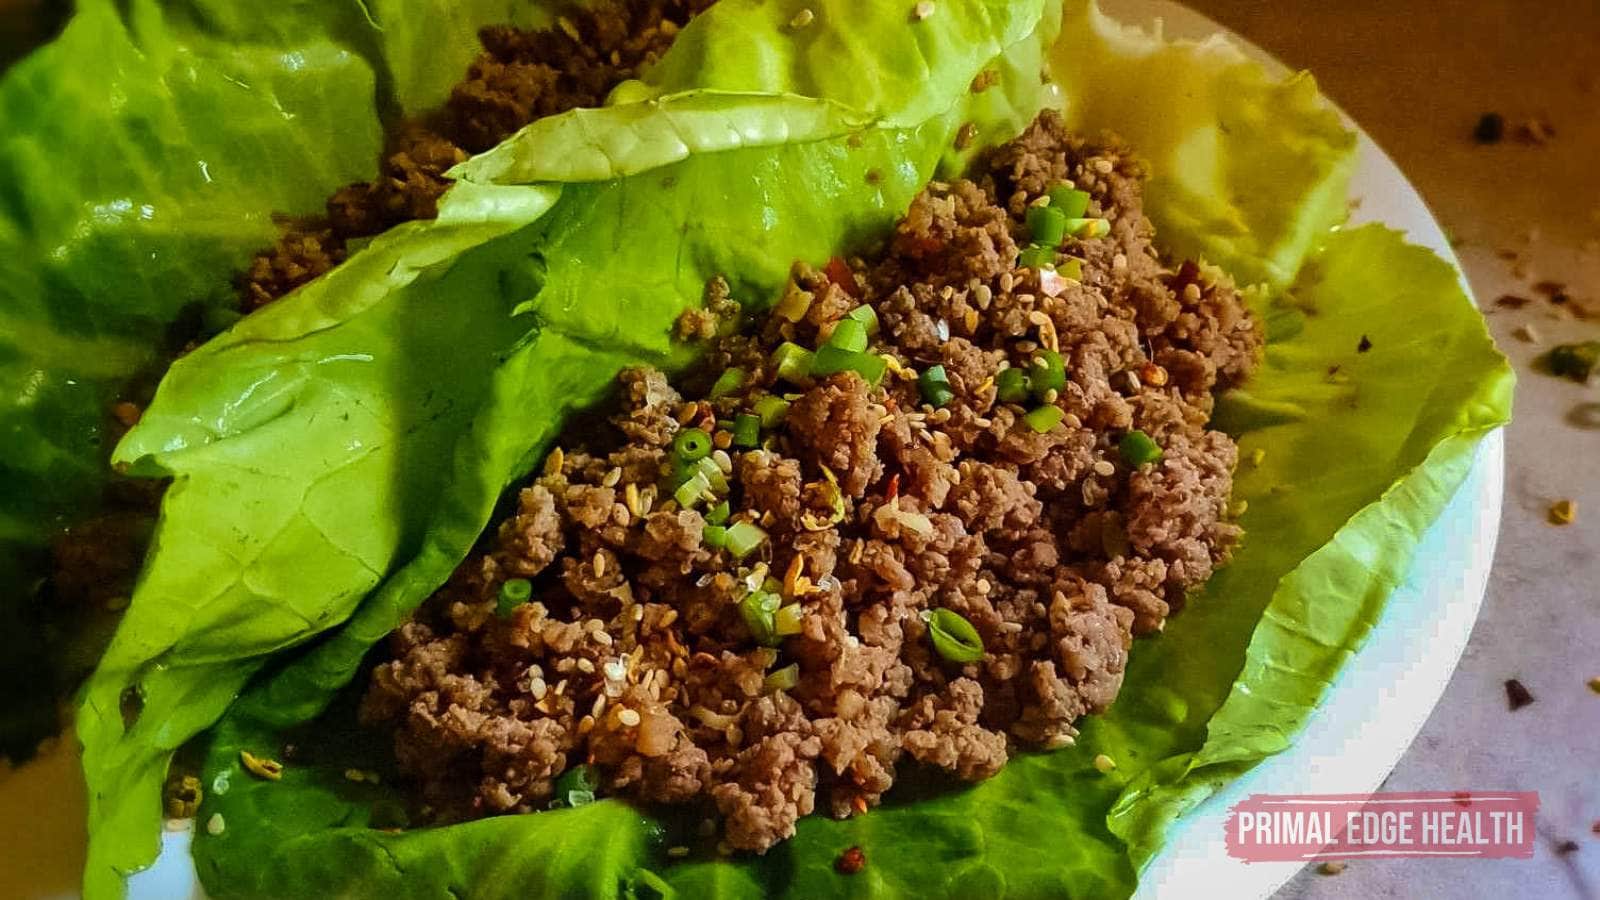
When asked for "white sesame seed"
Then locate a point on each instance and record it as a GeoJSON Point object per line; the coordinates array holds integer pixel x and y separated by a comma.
{"type": "Point", "coordinates": [599, 706]}
{"type": "Point", "coordinates": [603, 638]}
{"type": "Point", "coordinates": [923, 10]}
{"type": "Point", "coordinates": [538, 688]}
{"type": "Point", "coordinates": [613, 477]}
{"type": "Point", "coordinates": [802, 18]}
{"type": "Point", "coordinates": [1104, 166]}
{"type": "Point", "coordinates": [629, 718]}
{"type": "Point", "coordinates": [215, 825]}
{"type": "Point", "coordinates": [1104, 467]}
{"type": "Point", "coordinates": [1104, 763]}
{"type": "Point", "coordinates": [585, 666]}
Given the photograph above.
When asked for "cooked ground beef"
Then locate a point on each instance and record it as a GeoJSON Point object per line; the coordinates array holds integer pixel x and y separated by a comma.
{"type": "Point", "coordinates": [520, 76]}
{"type": "Point", "coordinates": [634, 654]}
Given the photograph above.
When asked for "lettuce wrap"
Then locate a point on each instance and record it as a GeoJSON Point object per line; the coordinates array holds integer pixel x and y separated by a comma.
{"type": "Point", "coordinates": [336, 455]}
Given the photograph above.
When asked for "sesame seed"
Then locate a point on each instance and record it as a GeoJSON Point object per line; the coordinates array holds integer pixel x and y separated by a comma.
{"type": "Point", "coordinates": [983, 586]}
{"type": "Point", "coordinates": [1104, 166]}
{"type": "Point", "coordinates": [801, 19]}
{"type": "Point", "coordinates": [723, 460]}
{"type": "Point", "coordinates": [613, 477]}
{"type": "Point", "coordinates": [1104, 763]}
{"type": "Point", "coordinates": [923, 10]}
{"type": "Point", "coordinates": [538, 688]}
{"type": "Point", "coordinates": [599, 706]}
{"type": "Point", "coordinates": [599, 565]}
{"type": "Point", "coordinates": [586, 725]}
{"type": "Point", "coordinates": [629, 718]}
{"type": "Point", "coordinates": [1191, 292]}
{"type": "Point", "coordinates": [677, 852]}
{"type": "Point", "coordinates": [215, 825]}
{"type": "Point", "coordinates": [1119, 262]}
{"type": "Point", "coordinates": [1052, 395]}
{"type": "Point", "coordinates": [585, 666]}
{"type": "Point", "coordinates": [603, 638]}
{"type": "Point", "coordinates": [554, 462]}
{"type": "Point", "coordinates": [567, 26]}
{"type": "Point", "coordinates": [354, 775]}
{"type": "Point", "coordinates": [1104, 467]}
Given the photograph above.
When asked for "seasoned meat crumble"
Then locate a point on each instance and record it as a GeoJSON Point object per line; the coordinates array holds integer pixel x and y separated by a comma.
{"type": "Point", "coordinates": [1058, 523]}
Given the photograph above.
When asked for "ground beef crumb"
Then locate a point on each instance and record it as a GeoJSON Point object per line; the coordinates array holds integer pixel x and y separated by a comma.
{"type": "Point", "coordinates": [804, 667]}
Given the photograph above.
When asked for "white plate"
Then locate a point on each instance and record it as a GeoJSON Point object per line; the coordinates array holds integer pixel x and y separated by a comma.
{"type": "Point", "coordinates": [1382, 697]}
{"type": "Point", "coordinates": [1385, 693]}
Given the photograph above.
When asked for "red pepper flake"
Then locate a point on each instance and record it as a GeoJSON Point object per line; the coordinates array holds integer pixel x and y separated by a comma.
{"type": "Point", "coordinates": [1365, 345]}
{"type": "Point", "coordinates": [850, 862]}
{"type": "Point", "coordinates": [1517, 694]}
{"type": "Point", "coordinates": [1461, 798]}
{"type": "Point", "coordinates": [894, 487]}
{"type": "Point", "coordinates": [838, 272]}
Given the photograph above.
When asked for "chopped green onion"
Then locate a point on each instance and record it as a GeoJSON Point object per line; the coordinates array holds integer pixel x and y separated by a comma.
{"type": "Point", "coordinates": [1011, 385]}
{"type": "Point", "coordinates": [729, 381]}
{"type": "Point", "coordinates": [1071, 268]}
{"type": "Point", "coordinates": [1071, 202]}
{"type": "Point", "coordinates": [783, 679]}
{"type": "Point", "coordinates": [1044, 418]}
{"type": "Point", "coordinates": [713, 474]}
{"type": "Point", "coordinates": [577, 785]}
{"type": "Point", "coordinates": [691, 445]}
{"type": "Point", "coordinates": [513, 593]}
{"type": "Point", "coordinates": [1088, 228]}
{"type": "Point", "coordinates": [830, 360]}
{"type": "Point", "coordinates": [1037, 257]}
{"type": "Point", "coordinates": [692, 491]}
{"type": "Point", "coordinates": [954, 638]}
{"type": "Point", "coordinates": [718, 515]}
{"type": "Point", "coordinates": [935, 387]}
{"type": "Point", "coordinates": [1052, 376]}
{"type": "Point", "coordinates": [867, 316]}
{"type": "Point", "coordinates": [759, 610]}
{"type": "Point", "coordinates": [714, 536]}
{"type": "Point", "coordinates": [1139, 448]}
{"type": "Point", "coordinates": [747, 431]}
{"type": "Point", "coordinates": [772, 410]}
{"type": "Point", "coordinates": [848, 334]}
{"type": "Point", "coordinates": [789, 620]}
{"type": "Point", "coordinates": [792, 361]}
{"type": "Point", "coordinates": [744, 537]}
{"type": "Point", "coordinates": [1047, 225]}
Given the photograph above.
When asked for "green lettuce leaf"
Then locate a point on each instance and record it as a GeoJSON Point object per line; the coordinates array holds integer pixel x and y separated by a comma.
{"type": "Point", "coordinates": [141, 164]}
{"type": "Point", "coordinates": [285, 518]}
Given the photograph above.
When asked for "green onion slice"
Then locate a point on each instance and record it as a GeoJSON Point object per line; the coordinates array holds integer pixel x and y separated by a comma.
{"type": "Point", "coordinates": [714, 536]}
{"type": "Point", "coordinates": [935, 386]}
{"type": "Point", "coordinates": [772, 410]}
{"type": "Point", "coordinates": [1052, 376]}
{"type": "Point", "coordinates": [691, 445]}
{"type": "Point", "coordinates": [513, 593]}
{"type": "Point", "coordinates": [783, 679]}
{"type": "Point", "coordinates": [713, 474]}
{"type": "Point", "coordinates": [718, 515]}
{"type": "Point", "coordinates": [1047, 225]}
{"type": "Point", "coordinates": [577, 786]}
{"type": "Point", "coordinates": [1044, 418]}
{"type": "Point", "coordinates": [747, 431]}
{"type": "Point", "coordinates": [759, 610]}
{"type": "Point", "coordinates": [867, 316]}
{"type": "Point", "coordinates": [1088, 228]}
{"type": "Point", "coordinates": [744, 537]}
{"type": "Point", "coordinates": [954, 638]}
{"type": "Point", "coordinates": [1138, 448]}
{"type": "Point", "coordinates": [792, 361]}
{"type": "Point", "coordinates": [848, 334]}
{"type": "Point", "coordinates": [830, 360]}
{"type": "Point", "coordinates": [1011, 385]}
{"type": "Point", "coordinates": [1071, 268]}
{"type": "Point", "coordinates": [692, 491]}
{"type": "Point", "coordinates": [1037, 257]}
{"type": "Point", "coordinates": [1070, 202]}
{"type": "Point", "coordinates": [729, 381]}
{"type": "Point", "coordinates": [788, 620]}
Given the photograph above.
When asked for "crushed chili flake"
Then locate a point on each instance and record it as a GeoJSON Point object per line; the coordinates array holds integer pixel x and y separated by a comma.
{"type": "Point", "coordinates": [1517, 694]}
{"type": "Point", "coordinates": [1461, 798]}
{"type": "Point", "coordinates": [838, 272]}
{"type": "Point", "coordinates": [850, 861]}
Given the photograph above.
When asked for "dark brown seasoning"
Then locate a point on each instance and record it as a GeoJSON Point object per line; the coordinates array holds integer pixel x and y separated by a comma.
{"type": "Point", "coordinates": [1566, 848]}
{"type": "Point", "coordinates": [1364, 345]}
{"type": "Point", "coordinates": [1491, 128]}
{"type": "Point", "coordinates": [521, 76]}
{"type": "Point", "coordinates": [1517, 694]}
{"type": "Point", "coordinates": [633, 653]}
